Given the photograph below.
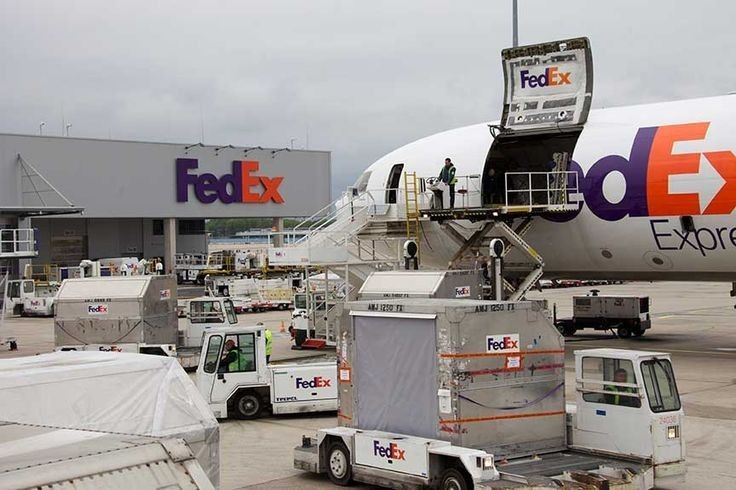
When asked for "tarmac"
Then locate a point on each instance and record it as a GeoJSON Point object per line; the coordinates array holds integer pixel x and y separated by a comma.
{"type": "Point", "coordinates": [695, 322]}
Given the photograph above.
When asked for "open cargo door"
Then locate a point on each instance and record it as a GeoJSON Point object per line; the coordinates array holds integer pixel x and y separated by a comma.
{"type": "Point", "coordinates": [548, 91]}
{"type": "Point", "coordinates": [548, 85]}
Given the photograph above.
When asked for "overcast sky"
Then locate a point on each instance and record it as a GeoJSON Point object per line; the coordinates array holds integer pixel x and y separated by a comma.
{"type": "Point", "coordinates": [361, 77]}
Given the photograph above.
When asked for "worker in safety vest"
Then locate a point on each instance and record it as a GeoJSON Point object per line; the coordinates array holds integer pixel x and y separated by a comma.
{"type": "Point", "coordinates": [269, 343]}
{"type": "Point", "coordinates": [447, 175]}
{"type": "Point", "coordinates": [621, 376]}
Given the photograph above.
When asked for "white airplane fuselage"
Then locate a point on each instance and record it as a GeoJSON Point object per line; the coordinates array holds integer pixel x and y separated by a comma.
{"type": "Point", "coordinates": [640, 169]}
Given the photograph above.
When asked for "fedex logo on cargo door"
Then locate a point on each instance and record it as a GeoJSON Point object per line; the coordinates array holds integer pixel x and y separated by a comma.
{"type": "Point", "coordinates": [661, 181]}
{"type": "Point", "coordinates": [392, 451]}
{"type": "Point", "coordinates": [550, 77]}
{"type": "Point", "coordinates": [316, 382]}
{"type": "Point", "coordinates": [242, 185]}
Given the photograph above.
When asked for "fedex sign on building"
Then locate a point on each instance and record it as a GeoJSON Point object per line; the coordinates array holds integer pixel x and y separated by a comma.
{"type": "Point", "coordinates": [245, 184]}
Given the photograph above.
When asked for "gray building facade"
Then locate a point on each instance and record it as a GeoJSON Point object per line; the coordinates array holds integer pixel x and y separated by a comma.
{"type": "Point", "coordinates": [140, 197]}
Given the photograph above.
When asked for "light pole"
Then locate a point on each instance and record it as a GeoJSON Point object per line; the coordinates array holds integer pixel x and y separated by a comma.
{"type": "Point", "coordinates": [69, 125]}
{"type": "Point", "coordinates": [515, 21]}
{"type": "Point", "coordinates": [40, 128]}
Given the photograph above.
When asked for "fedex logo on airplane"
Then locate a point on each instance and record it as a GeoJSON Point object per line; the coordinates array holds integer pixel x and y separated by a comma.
{"type": "Point", "coordinates": [242, 185]}
{"type": "Point", "coordinates": [392, 451]}
{"type": "Point", "coordinates": [550, 77]}
{"type": "Point", "coordinates": [655, 176]}
{"type": "Point", "coordinates": [316, 382]}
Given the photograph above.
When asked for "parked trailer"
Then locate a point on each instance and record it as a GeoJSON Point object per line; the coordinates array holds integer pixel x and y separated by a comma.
{"type": "Point", "coordinates": [245, 384]}
{"type": "Point", "coordinates": [484, 384]}
{"type": "Point", "coordinates": [64, 458]}
{"type": "Point", "coordinates": [628, 315]}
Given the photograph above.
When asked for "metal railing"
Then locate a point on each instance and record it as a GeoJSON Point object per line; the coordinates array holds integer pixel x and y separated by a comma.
{"type": "Point", "coordinates": [18, 242]}
{"type": "Point", "coordinates": [542, 189]}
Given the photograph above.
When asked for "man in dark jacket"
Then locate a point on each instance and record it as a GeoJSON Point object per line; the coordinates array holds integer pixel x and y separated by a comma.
{"type": "Point", "coordinates": [447, 175]}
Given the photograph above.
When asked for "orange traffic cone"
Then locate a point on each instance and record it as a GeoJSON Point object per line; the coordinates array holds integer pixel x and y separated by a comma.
{"type": "Point", "coordinates": [282, 328]}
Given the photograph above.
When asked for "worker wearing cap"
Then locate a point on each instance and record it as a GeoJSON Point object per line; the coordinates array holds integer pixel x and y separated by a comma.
{"type": "Point", "coordinates": [447, 175]}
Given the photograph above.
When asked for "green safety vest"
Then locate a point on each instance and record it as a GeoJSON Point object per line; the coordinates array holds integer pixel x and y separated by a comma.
{"type": "Point", "coordinates": [448, 175]}
{"type": "Point", "coordinates": [269, 342]}
{"type": "Point", "coordinates": [239, 364]}
{"type": "Point", "coordinates": [619, 389]}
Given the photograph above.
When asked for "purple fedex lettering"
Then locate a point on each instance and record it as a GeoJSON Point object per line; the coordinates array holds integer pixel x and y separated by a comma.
{"type": "Point", "coordinates": [634, 171]}
{"type": "Point", "coordinates": [208, 188]}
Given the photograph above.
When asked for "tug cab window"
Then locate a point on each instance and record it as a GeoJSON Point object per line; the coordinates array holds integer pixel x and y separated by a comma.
{"type": "Point", "coordinates": [659, 381]}
{"type": "Point", "coordinates": [599, 376]}
{"type": "Point", "coordinates": [239, 354]}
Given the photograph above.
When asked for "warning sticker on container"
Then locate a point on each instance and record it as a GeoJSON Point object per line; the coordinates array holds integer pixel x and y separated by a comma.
{"type": "Point", "coordinates": [344, 374]}
{"type": "Point", "coordinates": [513, 362]}
{"type": "Point", "coordinates": [164, 294]}
{"type": "Point", "coordinates": [462, 292]}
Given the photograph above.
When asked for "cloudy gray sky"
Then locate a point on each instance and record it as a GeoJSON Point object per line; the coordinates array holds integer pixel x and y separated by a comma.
{"type": "Point", "coordinates": [361, 77]}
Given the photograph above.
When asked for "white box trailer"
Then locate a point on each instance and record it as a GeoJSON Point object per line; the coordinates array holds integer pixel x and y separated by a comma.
{"type": "Point", "coordinates": [111, 393]}
{"type": "Point", "coordinates": [44, 457]}
{"type": "Point", "coordinates": [127, 314]}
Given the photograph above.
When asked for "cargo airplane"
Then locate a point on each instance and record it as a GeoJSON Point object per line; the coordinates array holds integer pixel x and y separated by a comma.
{"type": "Point", "coordinates": [656, 191]}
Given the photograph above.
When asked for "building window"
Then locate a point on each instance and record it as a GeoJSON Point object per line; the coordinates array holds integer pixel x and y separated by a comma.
{"type": "Point", "coordinates": [158, 227]}
{"type": "Point", "coordinates": [191, 227]}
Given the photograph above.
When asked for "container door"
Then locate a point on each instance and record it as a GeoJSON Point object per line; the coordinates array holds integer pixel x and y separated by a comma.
{"type": "Point", "coordinates": [397, 390]}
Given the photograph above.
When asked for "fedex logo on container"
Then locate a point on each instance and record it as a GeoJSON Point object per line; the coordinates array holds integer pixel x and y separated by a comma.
{"type": "Point", "coordinates": [316, 382]}
{"type": "Point", "coordinates": [550, 77]}
{"type": "Point", "coordinates": [392, 451]}
{"type": "Point", "coordinates": [98, 309]}
{"type": "Point", "coordinates": [241, 186]}
{"type": "Point", "coordinates": [654, 172]}
{"type": "Point", "coordinates": [508, 342]}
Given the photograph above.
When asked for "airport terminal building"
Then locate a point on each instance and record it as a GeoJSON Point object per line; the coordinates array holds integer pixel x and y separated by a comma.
{"type": "Point", "coordinates": [92, 198]}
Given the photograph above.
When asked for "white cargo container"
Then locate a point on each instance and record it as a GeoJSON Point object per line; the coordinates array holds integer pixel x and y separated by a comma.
{"type": "Point", "coordinates": [110, 393]}
{"type": "Point", "coordinates": [41, 457]}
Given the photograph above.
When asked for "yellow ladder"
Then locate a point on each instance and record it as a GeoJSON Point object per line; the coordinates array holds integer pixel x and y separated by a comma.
{"type": "Point", "coordinates": [411, 198]}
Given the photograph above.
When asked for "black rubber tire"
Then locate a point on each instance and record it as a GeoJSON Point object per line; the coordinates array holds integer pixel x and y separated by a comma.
{"type": "Point", "coordinates": [568, 331]}
{"type": "Point", "coordinates": [248, 406]}
{"type": "Point", "coordinates": [339, 469]}
{"type": "Point", "coordinates": [638, 332]}
{"type": "Point", "coordinates": [453, 479]}
{"type": "Point", "coordinates": [624, 332]}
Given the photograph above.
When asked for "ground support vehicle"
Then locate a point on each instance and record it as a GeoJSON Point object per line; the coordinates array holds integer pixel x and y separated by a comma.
{"type": "Point", "coordinates": [628, 315]}
{"type": "Point", "coordinates": [480, 403]}
{"type": "Point", "coordinates": [42, 303]}
{"type": "Point", "coordinates": [188, 267]}
{"type": "Point", "coordinates": [202, 314]}
{"type": "Point", "coordinates": [247, 386]}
